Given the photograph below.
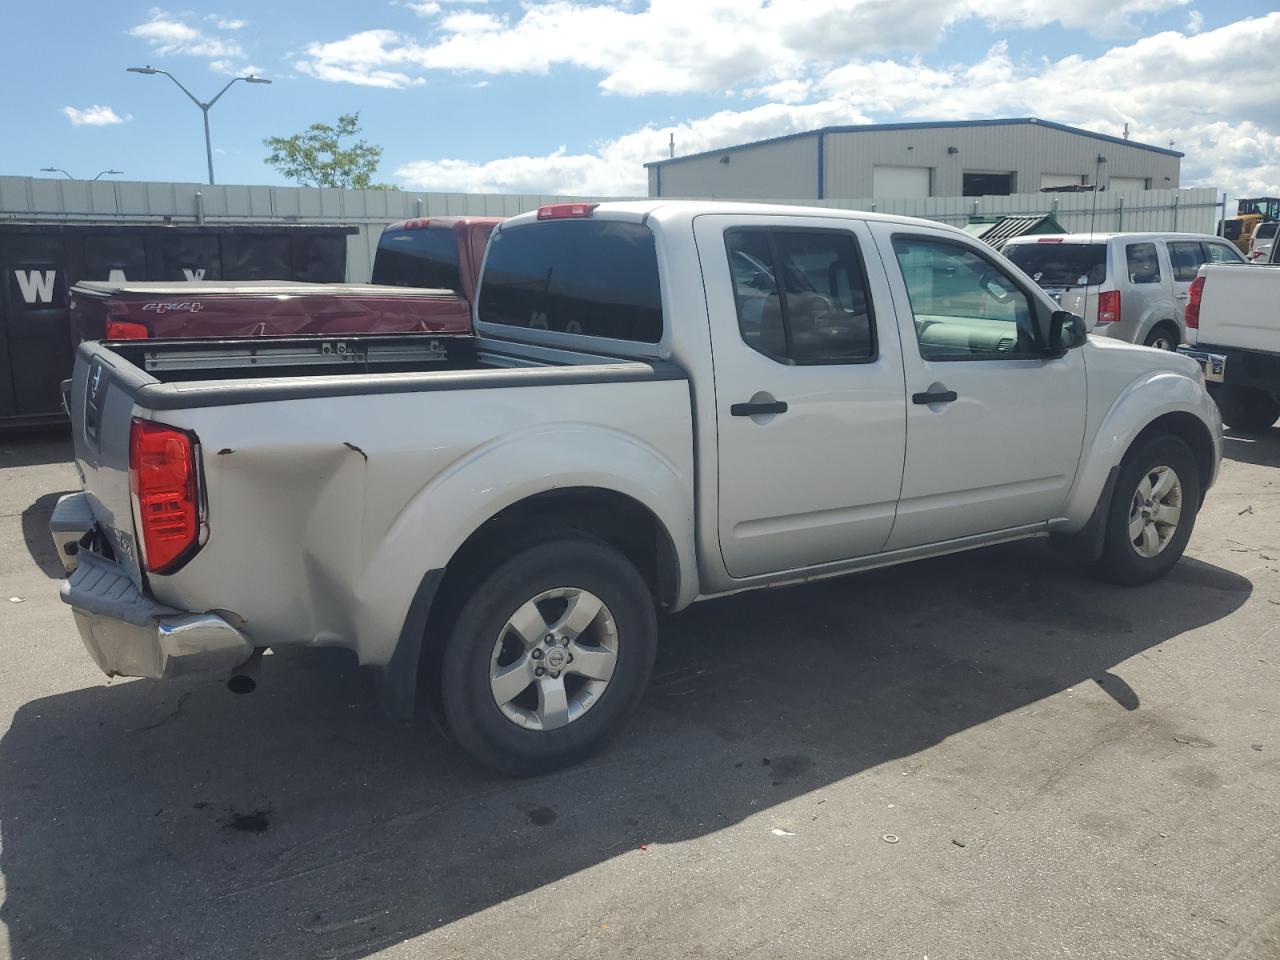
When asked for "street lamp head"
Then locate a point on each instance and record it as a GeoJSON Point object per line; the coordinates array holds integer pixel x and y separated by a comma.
{"type": "Point", "coordinates": [253, 79]}
{"type": "Point", "coordinates": [114, 173]}
{"type": "Point", "coordinates": [147, 70]}
{"type": "Point", "coordinates": [48, 169]}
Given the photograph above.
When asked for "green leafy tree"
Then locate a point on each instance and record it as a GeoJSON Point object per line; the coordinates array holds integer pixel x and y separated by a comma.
{"type": "Point", "coordinates": [317, 157]}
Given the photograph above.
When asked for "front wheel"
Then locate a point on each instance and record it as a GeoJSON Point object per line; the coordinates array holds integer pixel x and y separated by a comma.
{"type": "Point", "coordinates": [548, 656]}
{"type": "Point", "coordinates": [1153, 511]}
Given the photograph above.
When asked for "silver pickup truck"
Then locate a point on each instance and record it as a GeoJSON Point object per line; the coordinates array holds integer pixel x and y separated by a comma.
{"type": "Point", "coordinates": [666, 401]}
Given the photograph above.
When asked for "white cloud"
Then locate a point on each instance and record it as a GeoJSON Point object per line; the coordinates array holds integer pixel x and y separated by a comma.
{"type": "Point", "coordinates": [1195, 90]}
{"type": "Point", "coordinates": [681, 46]}
{"type": "Point", "coordinates": [362, 58]}
{"type": "Point", "coordinates": [1195, 21]}
{"type": "Point", "coordinates": [94, 116]}
{"type": "Point", "coordinates": [230, 68]}
{"type": "Point", "coordinates": [170, 35]}
{"type": "Point", "coordinates": [223, 23]}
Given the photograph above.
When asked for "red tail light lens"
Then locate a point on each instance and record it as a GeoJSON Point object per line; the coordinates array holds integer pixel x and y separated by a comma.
{"type": "Point", "coordinates": [1192, 315]}
{"type": "Point", "coordinates": [162, 477]}
{"type": "Point", "coordinates": [127, 330]}
{"type": "Point", "coordinates": [566, 211]}
{"type": "Point", "coordinates": [1109, 307]}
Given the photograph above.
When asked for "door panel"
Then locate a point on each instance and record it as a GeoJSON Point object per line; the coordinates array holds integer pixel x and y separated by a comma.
{"type": "Point", "coordinates": [818, 480]}
{"type": "Point", "coordinates": [1000, 446]}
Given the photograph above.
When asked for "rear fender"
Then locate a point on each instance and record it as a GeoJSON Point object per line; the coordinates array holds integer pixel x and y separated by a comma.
{"type": "Point", "coordinates": [458, 501]}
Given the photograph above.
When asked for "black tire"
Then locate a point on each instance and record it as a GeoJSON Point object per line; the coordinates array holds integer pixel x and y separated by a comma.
{"type": "Point", "coordinates": [1244, 408]}
{"type": "Point", "coordinates": [1121, 562]}
{"type": "Point", "coordinates": [467, 701]}
{"type": "Point", "coordinates": [1162, 334]}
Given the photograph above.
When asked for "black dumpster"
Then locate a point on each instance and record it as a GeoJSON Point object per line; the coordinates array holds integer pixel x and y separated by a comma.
{"type": "Point", "coordinates": [40, 262]}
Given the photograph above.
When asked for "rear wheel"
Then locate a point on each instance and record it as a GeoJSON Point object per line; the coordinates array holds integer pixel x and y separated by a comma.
{"type": "Point", "coordinates": [1164, 336]}
{"type": "Point", "coordinates": [548, 656]}
{"type": "Point", "coordinates": [1245, 408]}
{"type": "Point", "coordinates": [1153, 511]}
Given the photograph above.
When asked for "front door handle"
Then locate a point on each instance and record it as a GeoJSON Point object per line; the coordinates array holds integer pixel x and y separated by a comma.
{"type": "Point", "coordinates": [755, 408]}
{"type": "Point", "coordinates": [935, 396]}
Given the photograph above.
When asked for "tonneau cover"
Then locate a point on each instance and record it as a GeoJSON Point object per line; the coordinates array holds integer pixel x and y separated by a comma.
{"type": "Point", "coordinates": [251, 288]}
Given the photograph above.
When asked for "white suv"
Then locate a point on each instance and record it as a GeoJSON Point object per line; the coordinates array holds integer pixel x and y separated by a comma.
{"type": "Point", "coordinates": [1132, 286]}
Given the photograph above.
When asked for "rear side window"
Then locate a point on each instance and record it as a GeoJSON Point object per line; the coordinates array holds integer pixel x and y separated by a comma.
{"type": "Point", "coordinates": [598, 278]}
{"type": "Point", "coordinates": [1143, 263]}
{"type": "Point", "coordinates": [1052, 264]}
{"type": "Point", "coordinates": [1266, 231]}
{"type": "Point", "coordinates": [1221, 253]}
{"type": "Point", "coordinates": [1186, 257]}
{"type": "Point", "coordinates": [425, 257]}
{"type": "Point", "coordinates": [801, 295]}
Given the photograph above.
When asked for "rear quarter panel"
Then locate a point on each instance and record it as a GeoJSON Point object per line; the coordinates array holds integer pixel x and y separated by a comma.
{"type": "Point", "coordinates": [325, 514]}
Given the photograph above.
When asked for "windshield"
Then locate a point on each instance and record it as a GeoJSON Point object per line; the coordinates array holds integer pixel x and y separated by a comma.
{"type": "Point", "coordinates": [1060, 264]}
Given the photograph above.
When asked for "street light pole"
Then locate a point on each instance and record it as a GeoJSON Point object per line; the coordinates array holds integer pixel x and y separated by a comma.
{"type": "Point", "coordinates": [204, 107]}
{"type": "Point", "coordinates": [57, 170]}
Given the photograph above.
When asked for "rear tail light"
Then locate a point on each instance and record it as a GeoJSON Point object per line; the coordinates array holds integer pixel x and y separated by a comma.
{"type": "Point", "coordinates": [1049, 240]}
{"type": "Point", "coordinates": [1109, 307]}
{"type": "Point", "coordinates": [127, 330]}
{"type": "Point", "coordinates": [1192, 315]}
{"type": "Point", "coordinates": [164, 483]}
{"type": "Point", "coordinates": [566, 211]}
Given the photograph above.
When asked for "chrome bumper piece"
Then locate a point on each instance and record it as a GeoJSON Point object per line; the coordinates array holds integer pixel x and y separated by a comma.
{"type": "Point", "coordinates": [127, 633]}
{"type": "Point", "coordinates": [1213, 364]}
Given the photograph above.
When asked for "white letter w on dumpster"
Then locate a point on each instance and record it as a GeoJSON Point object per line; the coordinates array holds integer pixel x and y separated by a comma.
{"type": "Point", "coordinates": [36, 285]}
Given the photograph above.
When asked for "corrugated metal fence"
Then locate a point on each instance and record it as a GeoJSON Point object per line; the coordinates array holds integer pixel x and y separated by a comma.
{"type": "Point", "coordinates": [122, 201]}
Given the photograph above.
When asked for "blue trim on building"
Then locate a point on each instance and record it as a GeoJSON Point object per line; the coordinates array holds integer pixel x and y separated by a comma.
{"type": "Point", "coordinates": [927, 125]}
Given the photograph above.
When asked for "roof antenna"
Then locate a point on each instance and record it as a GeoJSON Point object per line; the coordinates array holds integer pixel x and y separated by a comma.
{"type": "Point", "coordinates": [671, 146]}
{"type": "Point", "coordinates": [1126, 131]}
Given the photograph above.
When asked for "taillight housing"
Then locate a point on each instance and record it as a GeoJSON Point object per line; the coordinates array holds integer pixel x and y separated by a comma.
{"type": "Point", "coordinates": [1194, 294]}
{"type": "Point", "coordinates": [164, 480]}
{"type": "Point", "coordinates": [127, 330]}
{"type": "Point", "coordinates": [1109, 307]}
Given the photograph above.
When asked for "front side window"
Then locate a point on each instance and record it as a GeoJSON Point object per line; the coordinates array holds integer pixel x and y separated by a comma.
{"type": "Point", "coordinates": [596, 278]}
{"type": "Point", "coordinates": [801, 295]}
{"type": "Point", "coordinates": [1143, 264]}
{"type": "Point", "coordinates": [1186, 257]}
{"type": "Point", "coordinates": [964, 306]}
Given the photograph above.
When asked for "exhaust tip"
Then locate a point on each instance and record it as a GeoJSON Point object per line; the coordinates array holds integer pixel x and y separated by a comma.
{"type": "Point", "coordinates": [242, 684]}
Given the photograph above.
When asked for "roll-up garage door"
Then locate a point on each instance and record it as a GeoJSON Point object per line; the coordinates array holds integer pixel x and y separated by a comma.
{"type": "Point", "coordinates": [899, 183]}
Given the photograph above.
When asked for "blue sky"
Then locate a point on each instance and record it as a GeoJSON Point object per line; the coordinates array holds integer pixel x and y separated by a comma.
{"type": "Point", "coordinates": [574, 95]}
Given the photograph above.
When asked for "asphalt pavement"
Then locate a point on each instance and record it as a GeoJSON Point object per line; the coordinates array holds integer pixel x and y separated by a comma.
{"type": "Point", "coordinates": [992, 755]}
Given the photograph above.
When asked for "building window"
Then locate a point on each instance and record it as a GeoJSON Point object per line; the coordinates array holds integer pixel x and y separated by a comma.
{"type": "Point", "coordinates": [981, 184]}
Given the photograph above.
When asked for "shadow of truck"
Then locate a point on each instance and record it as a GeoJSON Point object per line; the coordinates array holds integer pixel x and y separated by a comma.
{"type": "Point", "coordinates": [151, 820]}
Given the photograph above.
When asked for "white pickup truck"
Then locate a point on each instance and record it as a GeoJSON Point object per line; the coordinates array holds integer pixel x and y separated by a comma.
{"type": "Point", "coordinates": [1233, 331]}
{"type": "Point", "coordinates": [665, 401]}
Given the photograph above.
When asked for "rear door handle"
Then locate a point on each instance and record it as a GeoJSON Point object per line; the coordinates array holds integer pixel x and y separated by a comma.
{"type": "Point", "coordinates": [755, 409]}
{"type": "Point", "coordinates": [937, 396]}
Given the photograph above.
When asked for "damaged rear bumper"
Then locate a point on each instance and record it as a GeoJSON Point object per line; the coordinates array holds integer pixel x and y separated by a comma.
{"type": "Point", "coordinates": [128, 634]}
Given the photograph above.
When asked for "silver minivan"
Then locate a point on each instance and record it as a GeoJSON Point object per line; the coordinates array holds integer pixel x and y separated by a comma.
{"type": "Point", "coordinates": [1132, 286]}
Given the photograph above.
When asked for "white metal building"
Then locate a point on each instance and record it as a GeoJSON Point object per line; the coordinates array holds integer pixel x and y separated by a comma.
{"type": "Point", "coordinates": [969, 158]}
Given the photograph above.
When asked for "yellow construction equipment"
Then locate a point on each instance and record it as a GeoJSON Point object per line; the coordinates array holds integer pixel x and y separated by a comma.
{"type": "Point", "coordinates": [1249, 213]}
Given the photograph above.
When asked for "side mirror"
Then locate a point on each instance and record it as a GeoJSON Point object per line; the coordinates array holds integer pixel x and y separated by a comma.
{"type": "Point", "coordinates": [1066, 332]}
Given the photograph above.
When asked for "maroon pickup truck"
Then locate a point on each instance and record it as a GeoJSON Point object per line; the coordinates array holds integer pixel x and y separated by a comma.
{"type": "Point", "coordinates": [424, 276]}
